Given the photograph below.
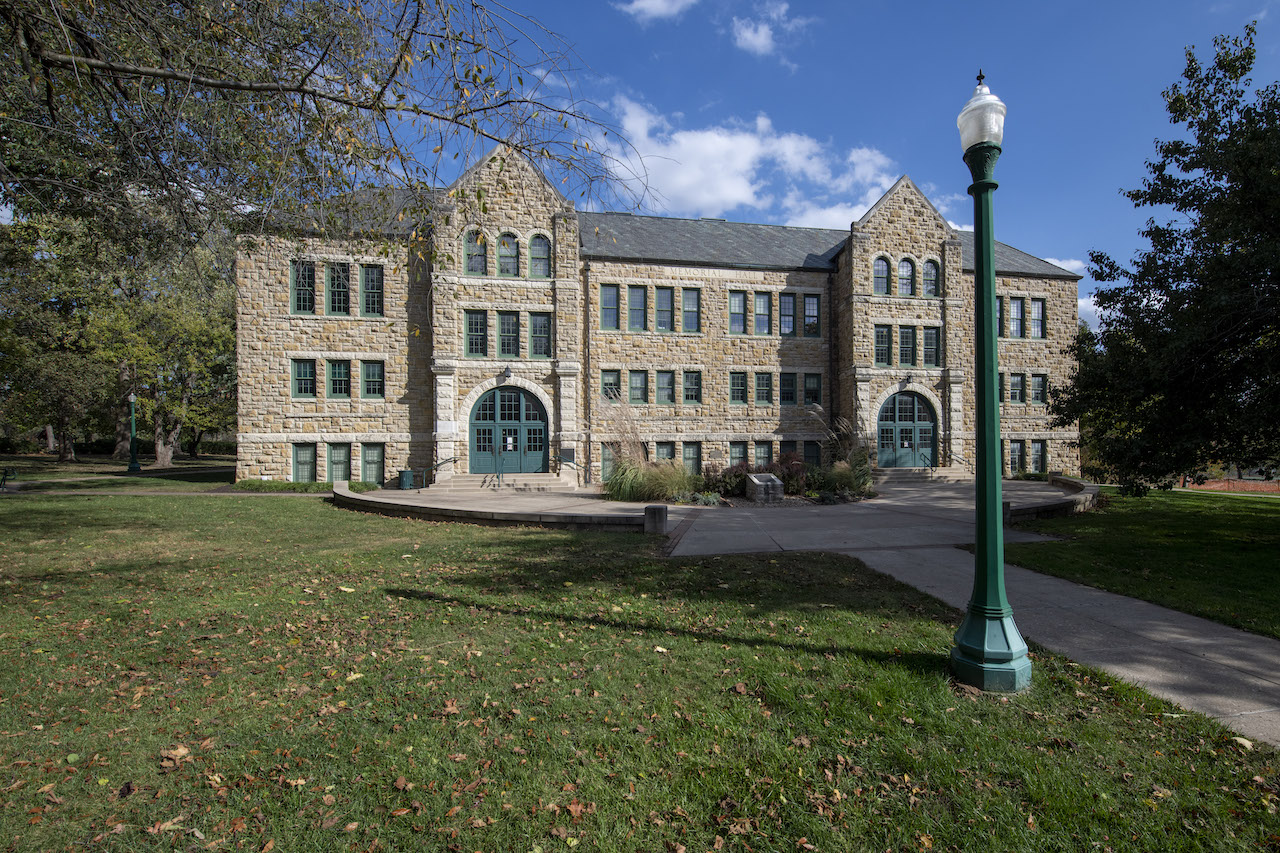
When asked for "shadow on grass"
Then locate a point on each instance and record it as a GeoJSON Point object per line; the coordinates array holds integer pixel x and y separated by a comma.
{"type": "Point", "coordinates": [916, 662]}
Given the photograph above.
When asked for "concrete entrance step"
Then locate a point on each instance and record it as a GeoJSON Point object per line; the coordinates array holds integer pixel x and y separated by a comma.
{"type": "Point", "coordinates": [463, 484]}
{"type": "Point", "coordinates": [891, 476]}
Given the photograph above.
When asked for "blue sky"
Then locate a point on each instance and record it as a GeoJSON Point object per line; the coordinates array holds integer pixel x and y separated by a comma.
{"type": "Point", "coordinates": [805, 112]}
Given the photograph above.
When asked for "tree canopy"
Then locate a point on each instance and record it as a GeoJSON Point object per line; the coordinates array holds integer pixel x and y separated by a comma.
{"type": "Point", "coordinates": [1185, 370]}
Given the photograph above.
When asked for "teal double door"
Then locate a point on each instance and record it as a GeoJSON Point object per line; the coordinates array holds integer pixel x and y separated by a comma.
{"type": "Point", "coordinates": [908, 432]}
{"type": "Point", "coordinates": [508, 433]}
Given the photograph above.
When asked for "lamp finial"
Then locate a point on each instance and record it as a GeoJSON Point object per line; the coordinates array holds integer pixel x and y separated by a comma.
{"type": "Point", "coordinates": [980, 77]}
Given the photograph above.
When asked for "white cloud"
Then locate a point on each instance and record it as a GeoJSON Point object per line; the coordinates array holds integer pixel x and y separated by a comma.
{"type": "Point", "coordinates": [760, 34]}
{"type": "Point", "coordinates": [652, 10]}
{"type": "Point", "coordinates": [806, 212]}
{"type": "Point", "coordinates": [1075, 266]}
{"type": "Point", "coordinates": [1088, 310]}
{"type": "Point", "coordinates": [958, 227]}
{"type": "Point", "coordinates": [753, 36]}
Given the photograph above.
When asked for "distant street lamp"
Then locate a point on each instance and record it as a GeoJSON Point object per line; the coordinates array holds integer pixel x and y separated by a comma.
{"type": "Point", "coordinates": [134, 467]}
{"type": "Point", "coordinates": [989, 652]}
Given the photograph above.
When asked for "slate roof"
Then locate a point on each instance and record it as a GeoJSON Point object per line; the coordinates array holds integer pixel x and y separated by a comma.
{"type": "Point", "coordinates": [715, 242]}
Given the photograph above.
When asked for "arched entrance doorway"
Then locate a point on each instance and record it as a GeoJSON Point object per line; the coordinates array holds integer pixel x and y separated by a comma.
{"type": "Point", "coordinates": [907, 427]}
{"type": "Point", "coordinates": [508, 433]}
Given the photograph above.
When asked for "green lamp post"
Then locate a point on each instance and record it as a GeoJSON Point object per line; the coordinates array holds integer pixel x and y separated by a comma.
{"type": "Point", "coordinates": [134, 467]}
{"type": "Point", "coordinates": [989, 653]}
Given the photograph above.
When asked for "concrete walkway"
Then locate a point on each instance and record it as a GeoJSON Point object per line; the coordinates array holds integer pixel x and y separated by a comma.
{"type": "Point", "coordinates": [909, 533]}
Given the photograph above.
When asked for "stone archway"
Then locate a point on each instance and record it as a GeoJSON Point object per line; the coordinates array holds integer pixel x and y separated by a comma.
{"type": "Point", "coordinates": [907, 432]}
{"type": "Point", "coordinates": [508, 433]}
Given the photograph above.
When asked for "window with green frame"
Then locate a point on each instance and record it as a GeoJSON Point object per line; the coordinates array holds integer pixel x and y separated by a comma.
{"type": "Point", "coordinates": [373, 376]}
{"type": "Point", "coordinates": [907, 345]}
{"type": "Point", "coordinates": [786, 389]}
{"type": "Point", "coordinates": [813, 453]}
{"type": "Point", "coordinates": [906, 277]}
{"type": "Point", "coordinates": [638, 386]}
{"type": "Point", "coordinates": [764, 453]}
{"type": "Point", "coordinates": [737, 453]}
{"type": "Point", "coordinates": [785, 447]}
{"type": "Point", "coordinates": [930, 279]}
{"type": "Point", "coordinates": [1017, 315]}
{"type": "Point", "coordinates": [999, 316]}
{"type": "Point", "coordinates": [508, 334]}
{"type": "Point", "coordinates": [1017, 388]}
{"type": "Point", "coordinates": [664, 309]}
{"type": "Point", "coordinates": [508, 255]}
{"type": "Point", "coordinates": [764, 389]}
{"type": "Point", "coordinates": [304, 378]}
{"type": "Point", "coordinates": [373, 462]}
{"type": "Point", "coordinates": [338, 288]}
{"type": "Point", "coordinates": [304, 463]}
{"type": "Point", "coordinates": [540, 335]}
{"type": "Point", "coordinates": [1017, 456]}
{"type": "Point", "coordinates": [539, 257]}
{"type": "Point", "coordinates": [691, 453]}
{"type": "Point", "coordinates": [737, 312]}
{"type": "Point", "coordinates": [611, 384]}
{"type": "Point", "coordinates": [302, 275]}
{"type": "Point", "coordinates": [339, 379]}
{"type": "Point", "coordinates": [738, 388]}
{"type": "Point", "coordinates": [1035, 324]}
{"type": "Point", "coordinates": [339, 467]}
{"type": "Point", "coordinates": [763, 314]}
{"type": "Point", "coordinates": [476, 254]}
{"type": "Point", "coordinates": [884, 344]}
{"type": "Point", "coordinates": [664, 451]}
{"type": "Point", "coordinates": [1039, 388]}
{"type": "Point", "coordinates": [787, 315]}
{"type": "Point", "coordinates": [693, 386]}
{"type": "Point", "coordinates": [812, 315]}
{"type": "Point", "coordinates": [1039, 459]}
{"type": "Point", "coordinates": [691, 309]}
{"type": "Point", "coordinates": [880, 277]}
{"type": "Point", "coordinates": [932, 349]}
{"type": "Point", "coordinates": [666, 386]}
{"type": "Point", "coordinates": [477, 333]}
{"type": "Point", "coordinates": [637, 308]}
{"type": "Point", "coordinates": [813, 389]}
{"type": "Point", "coordinates": [371, 290]}
{"type": "Point", "coordinates": [608, 306]}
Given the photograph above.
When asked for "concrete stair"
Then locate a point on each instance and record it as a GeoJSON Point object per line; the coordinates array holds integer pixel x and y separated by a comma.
{"type": "Point", "coordinates": [476, 484]}
{"type": "Point", "coordinates": [902, 476]}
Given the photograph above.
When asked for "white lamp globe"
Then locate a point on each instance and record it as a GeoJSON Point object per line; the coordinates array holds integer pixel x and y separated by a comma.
{"type": "Point", "coordinates": [982, 119]}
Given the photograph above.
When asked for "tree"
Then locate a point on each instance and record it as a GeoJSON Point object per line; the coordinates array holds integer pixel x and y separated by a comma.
{"type": "Point", "coordinates": [204, 107]}
{"type": "Point", "coordinates": [1185, 371]}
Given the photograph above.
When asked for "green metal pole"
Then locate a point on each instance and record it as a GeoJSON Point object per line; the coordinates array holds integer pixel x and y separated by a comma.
{"type": "Point", "coordinates": [989, 653]}
{"type": "Point", "coordinates": [134, 467]}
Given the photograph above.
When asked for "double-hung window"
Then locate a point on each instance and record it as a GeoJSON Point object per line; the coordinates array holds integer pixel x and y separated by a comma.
{"type": "Point", "coordinates": [693, 386]}
{"type": "Point", "coordinates": [539, 257]}
{"type": "Point", "coordinates": [738, 388]}
{"type": "Point", "coordinates": [664, 309]}
{"type": "Point", "coordinates": [1017, 388]}
{"type": "Point", "coordinates": [932, 347]}
{"type": "Point", "coordinates": [638, 386]}
{"type": "Point", "coordinates": [340, 379]}
{"type": "Point", "coordinates": [763, 314]}
{"type": "Point", "coordinates": [540, 335]}
{"type": "Point", "coordinates": [1017, 313]}
{"type": "Point", "coordinates": [1017, 456]}
{"type": "Point", "coordinates": [1036, 325]}
{"type": "Point", "coordinates": [509, 334]}
{"type": "Point", "coordinates": [907, 345]}
{"type": "Point", "coordinates": [664, 451]}
{"type": "Point", "coordinates": [930, 279]}
{"type": "Point", "coordinates": [787, 315]}
{"type": "Point", "coordinates": [737, 312]}
{"type": "Point", "coordinates": [371, 290]}
{"type": "Point", "coordinates": [666, 386]}
{"type": "Point", "coordinates": [884, 343]}
{"type": "Point", "coordinates": [304, 377]}
{"type": "Point", "coordinates": [764, 389]}
{"type": "Point", "coordinates": [691, 309]}
{"type": "Point", "coordinates": [906, 278]}
{"type": "Point", "coordinates": [375, 379]}
{"type": "Point", "coordinates": [691, 453]}
{"type": "Point", "coordinates": [476, 253]}
{"type": "Point", "coordinates": [611, 384]}
{"type": "Point", "coordinates": [999, 316]}
{"type": "Point", "coordinates": [303, 274]}
{"type": "Point", "coordinates": [737, 453]}
{"type": "Point", "coordinates": [786, 389]}
{"type": "Point", "coordinates": [812, 315]}
{"type": "Point", "coordinates": [813, 389]}
{"type": "Point", "coordinates": [880, 277]}
{"type": "Point", "coordinates": [339, 468]}
{"type": "Point", "coordinates": [1039, 388]}
{"type": "Point", "coordinates": [477, 333]}
{"type": "Point", "coordinates": [338, 286]}
{"type": "Point", "coordinates": [508, 255]}
{"type": "Point", "coordinates": [1038, 462]}
{"type": "Point", "coordinates": [609, 306]}
{"type": "Point", "coordinates": [764, 453]}
{"type": "Point", "coordinates": [637, 308]}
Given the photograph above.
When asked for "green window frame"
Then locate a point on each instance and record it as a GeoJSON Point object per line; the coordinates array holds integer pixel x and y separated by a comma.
{"type": "Point", "coordinates": [302, 284]}
{"type": "Point", "coordinates": [477, 333]}
{"type": "Point", "coordinates": [786, 447]}
{"type": "Point", "coordinates": [339, 379]}
{"type": "Point", "coordinates": [338, 468]}
{"type": "Point", "coordinates": [737, 312]}
{"type": "Point", "coordinates": [813, 389]}
{"type": "Point", "coordinates": [373, 462]}
{"type": "Point", "coordinates": [763, 314]}
{"type": "Point", "coordinates": [737, 453]}
{"type": "Point", "coordinates": [738, 388]}
{"type": "Point", "coordinates": [812, 315]}
{"type": "Point", "coordinates": [692, 386]}
{"type": "Point", "coordinates": [508, 255]}
{"type": "Point", "coordinates": [638, 386]}
{"type": "Point", "coordinates": [764, 453]}
{"type": "Point", "coordinates": [304, 378]}
{"type": "Point", "coordinates": [691, 454]}
{"type": "Point", "coordinates": [664, 309]}
{"type": "Point", "coordinates": [1017, 388]}
{"type": "Point", "coordinates": [1017, 456]}
{"type": "Point", "coordinates": [1036, 322]}
{"type": "Point", "coordinates": [883, 345]}
{"type": "Point", "coordinates": [373, 380]}
{"type": "Point", "coordinates": [1017, 318]}
{"type": "Point", "coordinates": [338, 289]}
{"type": "Point", "coordinates": [787, 315]}
{"type": "Point", "coordinates": [1038, 461]}
{"type": "Point", "coordinates": [304, 462]}
{"type": "Point", "coordinates": [475, 254]}
{"type": "Point", "coordinates": [999, 316]}
{"type": "Point", "coordinates": [813, 453]}
{"type": "Point", "coordinates": [539, 257]}
{"type": "Point", "coordinates": [907, 346]}
{"type": "Point", "coordinates": [931, 275]}
{"type": "Point", "coordinates": [611, 384]}
{"type": "Point", "coordinates": [508, 334]}
{"type": "Point", "coordinates": [1039, 388]}
{"type": "Point", "coordinates": [764, 389]}
{"type": "Point", "coordinates": [880, 277]}
{"type": "Point", "coordinates": [609, 307]}
{"type": "Point", "coordinates": [540, 335]}
{"type": "Point", "coordinates": [691, 309]}
{"type": "Point", "coordinates": [932, 346]}
{"type": "Point", "coordinates": [906, 277]}
{"type": "Point", "coordinates": [371, 290]}
{"type": "Point", "coordinates": [666, 387]}
{"type": "Point", "coordinates": [637, 308]}
{"type": "Point", "coordinates": [786, 389]}
{"type": "Point", "coordinates": [664, 451]}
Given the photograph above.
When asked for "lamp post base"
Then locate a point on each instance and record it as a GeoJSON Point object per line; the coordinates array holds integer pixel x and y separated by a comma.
{"type": "Point", "coordinates": [135, 468]}
{"type": "Point", "coordinates": [990, 653]}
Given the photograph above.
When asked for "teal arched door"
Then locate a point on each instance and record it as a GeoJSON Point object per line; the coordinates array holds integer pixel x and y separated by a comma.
{"type": "Point", "coordinates": [508, 433]}
{"type": "Point", "coordinates": [908, 432]}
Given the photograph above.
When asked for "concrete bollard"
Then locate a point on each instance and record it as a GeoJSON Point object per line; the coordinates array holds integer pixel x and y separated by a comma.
{"type": "Point", "coordinates": [655, 519]}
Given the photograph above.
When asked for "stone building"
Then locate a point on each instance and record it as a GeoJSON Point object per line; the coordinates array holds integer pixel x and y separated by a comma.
{"type": "Point", "coordinates": [535, 338]}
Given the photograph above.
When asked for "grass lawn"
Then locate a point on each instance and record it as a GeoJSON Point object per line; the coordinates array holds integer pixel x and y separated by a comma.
{"type": "Point", "coordinates": [182, 480]}
{"type": "Point", "coordinates": [45, 466]}
{"type": "Point", "coordinates": [1213, 555]}
{"type": "Point", "coordinates": [241, 673]}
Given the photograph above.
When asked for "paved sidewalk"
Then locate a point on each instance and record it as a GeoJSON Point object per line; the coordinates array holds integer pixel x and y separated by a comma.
{"type": "Point", "coordinates": [909, 533]}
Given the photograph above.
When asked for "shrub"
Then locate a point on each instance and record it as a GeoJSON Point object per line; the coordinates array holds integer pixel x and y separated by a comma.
{"type": "Point", "coordinates": [640, 481]}
{"type": "Point", "coordinates": [791, 470]}
{"type": "Point", "coordinates": [304, 488]}
{"type": "Point", "coordinates": [626, 482]}
{"type": "Point", "coordinates": [731, 482]}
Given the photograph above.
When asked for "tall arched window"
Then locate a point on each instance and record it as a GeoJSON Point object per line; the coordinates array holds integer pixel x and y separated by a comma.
{"type": "Point", "coordinates": [539, 257]}
{"type": "Point", "coordinates": [880, 276]}
{"type": "Point", "coordinates": [477, 254]}
{"type": "Point", "coordinates": [930, 278]}
{"type": "Point", "coordinates": [508, 255]}
{"type": "Point", "coordinates": [906, 278]}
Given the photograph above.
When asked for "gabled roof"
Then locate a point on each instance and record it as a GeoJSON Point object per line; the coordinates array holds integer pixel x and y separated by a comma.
{"type": "Point", "coordinates": [1011, 261]}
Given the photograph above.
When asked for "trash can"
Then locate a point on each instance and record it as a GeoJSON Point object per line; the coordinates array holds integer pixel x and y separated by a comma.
{"type": "Point", "coordinates": [406, 479]}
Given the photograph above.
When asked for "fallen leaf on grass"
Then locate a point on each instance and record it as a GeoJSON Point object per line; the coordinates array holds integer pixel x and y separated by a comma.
{"type": "Point", "coordinates": [1244, 742]}
{"type": "Point", "coordinates": [345, 589]}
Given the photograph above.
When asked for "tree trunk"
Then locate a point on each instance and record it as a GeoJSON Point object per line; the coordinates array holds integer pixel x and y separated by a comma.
{"type": "Point", "coordinates": [196, 435]}
{"type": "Point", "coordinates": [66, 446]}
{"type": "Point", "coordinates": [165, 442]}
{"type": "Point", "coordinates": [50, 443]}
